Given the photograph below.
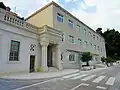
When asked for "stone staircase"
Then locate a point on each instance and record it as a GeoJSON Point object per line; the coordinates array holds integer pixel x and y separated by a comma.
{"type": "Point", "coordinates": [52, 69]}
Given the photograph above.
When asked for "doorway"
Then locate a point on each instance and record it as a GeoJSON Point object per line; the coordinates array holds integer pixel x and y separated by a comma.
{"type": "Point", "coordinates": [49, 56]}
{"type": "Point", "coordinates": [32, 63]}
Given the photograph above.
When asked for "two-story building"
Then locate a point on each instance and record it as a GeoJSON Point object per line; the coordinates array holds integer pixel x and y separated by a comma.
{"type": "Point", "coordinates": [50, 37]}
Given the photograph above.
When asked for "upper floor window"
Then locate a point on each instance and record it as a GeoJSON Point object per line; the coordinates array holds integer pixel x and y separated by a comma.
{"type": "Point", "coordinates": [94, 37]}
{"type": "Point", "coordinates": [78, 27]}
{"type": "Point", "coordinates": [72, 57]}
{"type": "Point", "coordinates": [71, 39]}
{"type": "Point", "coordinates": [95, 47]}
{"type": "Point", "coordinates": [60, 17]}
{"type": "Point", "coordinates": [89, 33]}
{"type": "Point", "coordinates": [14, 51]}
{"type": "Point", "coordinates": [70, 23]}
{"type": "Point", "coordinates": [86, 44]}
{"type": "Point", "coordinates": [97, 37]}
{"type": "Point", "coordinates": [101, 49]}
{"type": "Point", "coordinates": [80, 41]}
{"type": "Point", "coordinates": [91, 45]}
{"type": "Point", "coordinates": [85, 31]}
{"type": "Point", "coordinates": [98, 48]}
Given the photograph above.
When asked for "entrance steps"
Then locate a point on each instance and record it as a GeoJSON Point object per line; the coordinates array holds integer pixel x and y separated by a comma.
{"type": "Point", "coordinates": [52, 69]}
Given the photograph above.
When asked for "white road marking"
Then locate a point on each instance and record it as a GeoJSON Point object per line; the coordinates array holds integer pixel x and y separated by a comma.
{"type": "Point", "coordinates": [99, 87]}
{"type": "Point", "coordinates": [87, 78]}
{"type": "Point", "coordinates": [39, 83]}
{"type": "Point", "coordinates": [68, 76]}
{"type": "Point", "coordinates": [103, 72]}
{"type": "Point", "coordinates": [78, 77]}
{"type": "Point", "coordinates": [110, 81]}
{"type": "Point", "coordinates": [97, 80]}
{"type": "Point", "coordinates": [82, 84]}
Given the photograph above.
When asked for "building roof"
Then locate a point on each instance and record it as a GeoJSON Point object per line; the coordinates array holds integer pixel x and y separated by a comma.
{"type": "Point", "coordinates": [53, 3]}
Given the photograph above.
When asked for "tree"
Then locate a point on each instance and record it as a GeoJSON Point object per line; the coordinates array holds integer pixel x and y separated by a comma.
{"type": "Point", "coordinates": [2, 5]}
{"type": "Point", "coordinates": [86, 57]}
{"type": "Point", "coordinates": [112, 42]}
{"type": "Point", "coordinates": [103, 59]}
{"type": "Point", "coordinates": [99, 31]}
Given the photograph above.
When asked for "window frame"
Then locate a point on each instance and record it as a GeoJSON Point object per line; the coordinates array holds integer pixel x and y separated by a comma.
{"type": "Point", "coordinates": [85, 31]}
{"type": "Point", "coordinates": [86, 44]}
{"type": "Point", "coordinates": [13, 51]}
{"type": "Point", "coordinates": [60, 18]}
{"type": "Point", "coordinates": [94, 36]}
{"type": "Point", "coordinates": [78, 26]}
{"type": "Point", "coordinates": [80, 41]}
{"type": "Point", "coordinates": [70, 23]}
{"type": "Point", "coordinates": [71, 39]}
{"type": "Point", "coordinates": [72, 59]}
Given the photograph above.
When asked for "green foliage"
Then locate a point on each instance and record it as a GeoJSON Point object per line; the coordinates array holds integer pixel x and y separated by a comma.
{"type": "Point", "coordinates": [39, 69]}
{"type": "Point", "coordinates": [86, 57]}
{"type": "Point", "coordinates": [103, 59]}
{"type": "Point", "coordinates": [112, 39]}
{"type": "Point", "coordinates": [2, 5]}
{"type": "Point", "coordinates": [108, 60]}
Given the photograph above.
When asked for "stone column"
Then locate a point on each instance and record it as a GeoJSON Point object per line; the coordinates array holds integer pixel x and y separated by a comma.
{"type": "Point", "coordinates": [44, 45]}
{"type": "Point", "coordinates": [58, 61]}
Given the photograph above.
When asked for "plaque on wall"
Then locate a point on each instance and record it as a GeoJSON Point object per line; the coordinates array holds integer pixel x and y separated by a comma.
{"type": "Point", "coordinates": [32, 47]}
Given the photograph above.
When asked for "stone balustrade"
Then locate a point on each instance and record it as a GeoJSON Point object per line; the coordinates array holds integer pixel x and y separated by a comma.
{"type": "Point", "coordinates": [8, 17]}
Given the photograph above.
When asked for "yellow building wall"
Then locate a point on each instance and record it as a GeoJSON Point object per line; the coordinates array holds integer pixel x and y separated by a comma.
{"type": "Point", "coordinates": [44, 17]}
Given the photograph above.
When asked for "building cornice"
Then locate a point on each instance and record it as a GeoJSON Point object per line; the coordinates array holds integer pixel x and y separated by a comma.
{"type": "Point", "coordinates": [55, 4]}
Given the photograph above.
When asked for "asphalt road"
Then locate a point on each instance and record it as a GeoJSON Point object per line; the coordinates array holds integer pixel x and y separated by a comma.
{"type": "Point", "coordinates": [107, 79]}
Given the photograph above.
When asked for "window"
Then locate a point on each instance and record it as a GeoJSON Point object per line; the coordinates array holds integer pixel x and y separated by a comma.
{"type": "Point", "coordinates": [79, 57]}
{"type": "Point", "coordinates": [94, 37]}
{"type": "Point", "coordinates": [91, 45]}
{"type": "Point", "coordinates": [80, 41]}
{"type": "Point", "coordinates": [97, 37]}
{"type": "Point", "coordinates": [71, 57]}
{"type": "Point", "coordinates": [62, 57]}
{"type": "Point", "coordinates": [70, 23]}
{"type": "Point", "coordinates": [71, 39]}
{"type": "Point", "coordinates": [78, 26]}
{"type": "Point", "coordinates": [60, 17]}
{"type": "Point", "coordinates": [101, 49]}
{"type": "Point", "coordinates": [86, 44]}
{"type": "Point", "coordinates": [89, 33]}
{"type": "Point", "coordinates": [98, 48]}
{"type": "Point", "coordinates": [85, 31]}
{"type": "Point", "coordinates": [95, 47]}
{"type": "Point", "coordinates": [14, 51]}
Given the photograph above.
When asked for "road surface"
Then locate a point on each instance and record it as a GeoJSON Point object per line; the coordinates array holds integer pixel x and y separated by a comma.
{"type": "Point", "coordinates": [107, 79]}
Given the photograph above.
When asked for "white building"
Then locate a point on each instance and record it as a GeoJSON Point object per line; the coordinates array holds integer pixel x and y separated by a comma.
{"type": "Point", "coordinates": [51, 37]}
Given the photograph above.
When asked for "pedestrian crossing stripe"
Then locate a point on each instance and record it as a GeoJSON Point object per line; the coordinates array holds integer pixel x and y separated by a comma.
{"type": "Point", "coordinates": [110, 81]}
{"type": "Point", "coordinates": [68, 76]}
{"type": "Point", "coordinates": [97, 80]}
{"type": "Point", "coordinates": [80, 76]}
{"type": "Point", "coordinates": [89, 77]}
{"type": "Point", "coordinates": [85, 77]}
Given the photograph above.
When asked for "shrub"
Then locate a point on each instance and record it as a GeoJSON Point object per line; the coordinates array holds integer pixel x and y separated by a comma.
{"type": "Point", "coordinates": [39, 69]}
{"type": "Point", "coordinates": [86, 57]}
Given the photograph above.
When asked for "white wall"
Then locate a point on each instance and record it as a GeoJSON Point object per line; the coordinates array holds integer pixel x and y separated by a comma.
{"type": "Point", "coordinates": [8, 33]}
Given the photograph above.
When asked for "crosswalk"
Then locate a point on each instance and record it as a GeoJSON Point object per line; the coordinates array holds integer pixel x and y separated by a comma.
{"type": "Point", "coordinates": [94, 78]}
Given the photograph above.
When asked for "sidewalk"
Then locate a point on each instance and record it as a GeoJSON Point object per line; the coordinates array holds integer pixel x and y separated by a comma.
{"type": "Point", "coordinates": [41, 75]}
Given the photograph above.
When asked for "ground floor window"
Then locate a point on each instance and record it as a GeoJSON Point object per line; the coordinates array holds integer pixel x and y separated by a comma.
{"type": "Point", "coordinates": [14, 51]}
{"type": "Point", "coordinates": [72, 57]}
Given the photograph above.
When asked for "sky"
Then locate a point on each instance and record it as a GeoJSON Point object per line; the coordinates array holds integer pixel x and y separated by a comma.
{"type": "Point", "coordinates": [94, 13]}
